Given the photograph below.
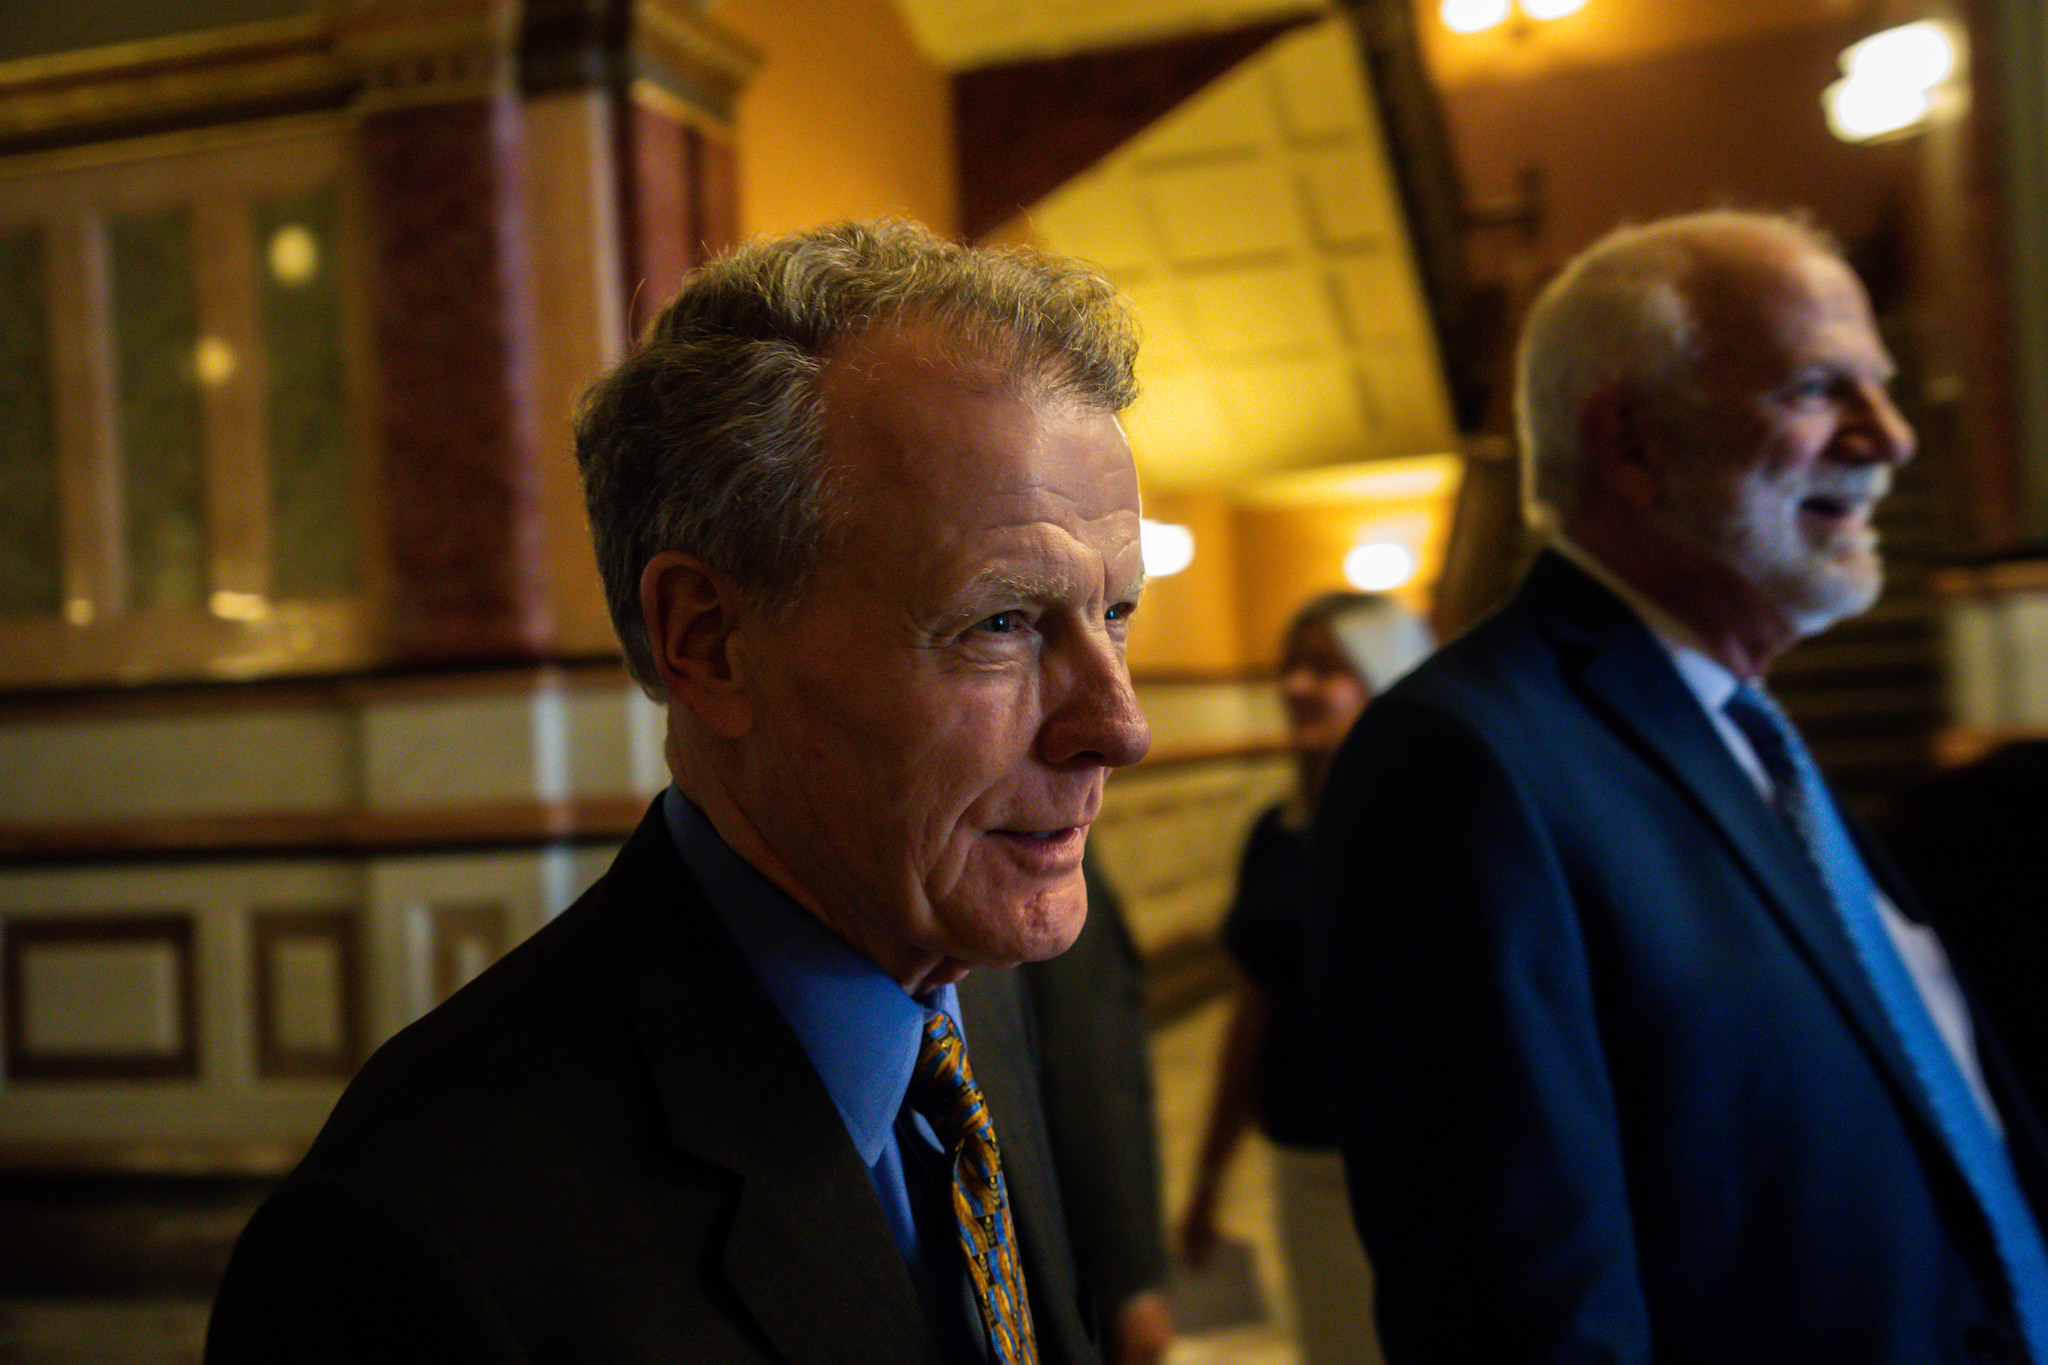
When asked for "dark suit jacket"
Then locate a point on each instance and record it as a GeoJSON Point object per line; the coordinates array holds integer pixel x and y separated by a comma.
{"type": "Point", "coordinates": [610, 1147]}
{"type": "Point", "coordinates": [1611, 1082]}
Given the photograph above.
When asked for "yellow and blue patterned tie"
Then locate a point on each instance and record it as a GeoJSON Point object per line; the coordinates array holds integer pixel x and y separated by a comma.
{"type": "Point", "coordinates": [943, 1090]}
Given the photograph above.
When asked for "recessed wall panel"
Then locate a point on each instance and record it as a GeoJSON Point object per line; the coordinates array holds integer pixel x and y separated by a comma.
{"type": "Point", "coordinates": [308, 992]}
{"type": "Point", "coordinates": [30, 555]}
{"type": "Point", "coordinates": [313, 525]}
{"type": "Point", "coordinates": [157, 365]}
{"type": "Point", "coordinates": [99, 997]}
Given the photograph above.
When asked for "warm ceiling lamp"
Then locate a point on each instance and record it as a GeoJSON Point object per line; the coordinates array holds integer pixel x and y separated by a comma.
{"type": "Point", "coordinates": [1379, 566]}
{"type": "Point", "coordinates": [1888, 81]}
{"type": "Point", "coordinates": [1471, 16]}
{"type": "Point", "coordinates": [1165, 546]}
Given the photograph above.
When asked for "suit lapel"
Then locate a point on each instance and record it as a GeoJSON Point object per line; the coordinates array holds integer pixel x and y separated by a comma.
{"type": "Point", "coordinates": [1627, 677]}
{"type": "Point", "coordinates": [807, 1250]}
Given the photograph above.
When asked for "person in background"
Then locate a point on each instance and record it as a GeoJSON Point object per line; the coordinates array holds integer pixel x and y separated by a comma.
{"type": "Point", "coordinates": [1096, 1076]}
{"type": "Point", "coordinates": [1339, 651]}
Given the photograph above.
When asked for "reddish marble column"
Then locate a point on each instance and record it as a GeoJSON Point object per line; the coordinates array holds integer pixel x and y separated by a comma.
{"type": "Point", "coordinates": [679, 192]}
{"type": "Point", "coordinates": [450, 318]}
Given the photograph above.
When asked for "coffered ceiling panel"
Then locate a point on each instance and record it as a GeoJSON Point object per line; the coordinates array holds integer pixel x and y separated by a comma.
{"type": "Point", "coordinates": [1222, 212]}
{"type": "Point", "coordinates": [1348, 205]}
{"type": "Point", "coordinates": [1274, 312]}
{"type": "Point", "coordinates": [1294, 412]}
{"type": "Point", "coordinates": [1256, 231]}
{"type": "Point", "coordinates": [1317, 92]}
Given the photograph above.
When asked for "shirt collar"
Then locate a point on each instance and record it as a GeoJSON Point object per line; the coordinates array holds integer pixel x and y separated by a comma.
{"type": "Point", "coordinates": [860, 1029]}
{"type": "Point", "coordinates": [1708, 678]}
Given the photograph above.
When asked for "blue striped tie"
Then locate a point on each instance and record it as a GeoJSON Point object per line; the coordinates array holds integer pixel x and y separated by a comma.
{"type": "Point", "coordinates": [1802, 798]}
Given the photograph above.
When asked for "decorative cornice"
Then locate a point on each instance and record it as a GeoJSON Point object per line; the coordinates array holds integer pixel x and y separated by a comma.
{"type": "Point", "coordinates": [407, 52]}
{"type": "Point", "coordinates": [679, 49]}
{"type": "Point", "coordinates": [368, 55]}
{"type": "Point", "coordinates": [247, 71]}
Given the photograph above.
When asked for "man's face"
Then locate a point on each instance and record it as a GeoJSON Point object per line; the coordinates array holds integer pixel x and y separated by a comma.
{"type": "Point", "coordinates": [1793, 442]}
{"type": "Point", "coordinates": [934, 723]}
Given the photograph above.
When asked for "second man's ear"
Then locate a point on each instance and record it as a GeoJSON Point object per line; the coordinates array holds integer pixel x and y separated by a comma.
{"type": "Point", "coordinates": [1620, 448]}
{"type": "Point", "coordinates": [691, 611]}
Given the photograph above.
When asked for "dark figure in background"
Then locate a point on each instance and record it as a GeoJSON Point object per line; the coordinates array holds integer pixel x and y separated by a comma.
{"type": "Point", "coordinates": [1090, 1006]}
{"type": "Point", "coordinates": [1631, 1059]}
{"type": "Point", "coordinates": [1974, 843]}
{"type": "Point", "coordinates": [1338, 652]}
{"type": "Point", "coordinates": [869, 526]}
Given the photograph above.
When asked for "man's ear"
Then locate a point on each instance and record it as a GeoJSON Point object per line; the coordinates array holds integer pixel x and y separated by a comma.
{"type": "Point", "coordinates": [1621, 449]}
{"type": "Point", "coordinates": [691, 611]}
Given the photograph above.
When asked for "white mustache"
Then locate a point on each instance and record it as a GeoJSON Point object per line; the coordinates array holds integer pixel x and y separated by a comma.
{"type": "Point", "coordinates": [1851, 487]}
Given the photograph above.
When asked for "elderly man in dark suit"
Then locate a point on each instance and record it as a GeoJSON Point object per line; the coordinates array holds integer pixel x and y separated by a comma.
{"type": "Point", "coordinates": [1640, 1052]}
{"type": "Point", "coordinates": [869, 526]}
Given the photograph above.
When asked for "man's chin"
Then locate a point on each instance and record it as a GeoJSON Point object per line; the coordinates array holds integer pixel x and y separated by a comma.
{"type": "Point", "coordinates": [1819, 598]}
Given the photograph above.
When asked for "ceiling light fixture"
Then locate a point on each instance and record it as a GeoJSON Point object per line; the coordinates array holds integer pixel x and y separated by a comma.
{"type": "Point", "coordinates": [1165, 546]}
{"type": "Point", "coordinates": [1379, 566]}
{"type": "Point", "coordinates": [1471, 16]}
{"type": "Point", "coordinates": [1889, 81]}
{"type": "Point", "coordinates": [1474, 16]}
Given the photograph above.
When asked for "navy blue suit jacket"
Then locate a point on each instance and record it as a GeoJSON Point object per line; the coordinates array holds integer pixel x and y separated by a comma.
{"type": "Point", "coordinates": [1611, 1083]}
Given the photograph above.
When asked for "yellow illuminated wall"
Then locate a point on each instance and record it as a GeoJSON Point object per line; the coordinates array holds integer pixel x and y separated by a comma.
{"type": "Point", "coordinates": [845, 118]}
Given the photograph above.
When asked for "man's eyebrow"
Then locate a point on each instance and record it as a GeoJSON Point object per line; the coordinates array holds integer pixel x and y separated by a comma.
{"type": "Point", "coordinates": [1025, 587]}
{"type": "Point", "coordinates": [1034, 587]}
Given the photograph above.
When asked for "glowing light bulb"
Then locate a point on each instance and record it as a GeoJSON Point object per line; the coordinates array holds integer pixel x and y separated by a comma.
{"type": "Point", "coordinates": [1470, 16]}
{"type": "Point", "coordinates": [1859, 110]}
{"type": "Point", "coordinates": [1551, 9]}
{"type": "Point", "coordinates": [294, 254]}
{"type": "Point", "coordinates": [1911, 57]}
{"type": "Point", "coordinates": [213, 361]}
{"type": "Point", "coordinates": [1379, 566]}
{"type": "Point", "coordinates": [1167, 548]}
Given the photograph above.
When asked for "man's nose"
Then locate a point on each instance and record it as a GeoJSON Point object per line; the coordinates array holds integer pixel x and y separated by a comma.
{"type": "Point", "coordinates": [1098, 721]}
{"type": "Point", "coordinates": [1888, 435]}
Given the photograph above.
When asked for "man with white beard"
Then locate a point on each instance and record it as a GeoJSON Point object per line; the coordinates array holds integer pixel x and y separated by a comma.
{"type": "Point", "coordinates": [1638, 1050]}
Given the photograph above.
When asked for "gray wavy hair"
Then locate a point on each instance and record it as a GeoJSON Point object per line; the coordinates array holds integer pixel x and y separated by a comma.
{"type": "Point", "coordinates": [708, 437]}
{"type": "Point", "coordinates": [1621, 312]}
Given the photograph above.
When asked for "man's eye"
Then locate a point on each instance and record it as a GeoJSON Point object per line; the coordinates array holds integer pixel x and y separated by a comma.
{"type": "Point", "coordinates": [1121, 611]}
{"type": "Point", "coordinates": [1002, 623]}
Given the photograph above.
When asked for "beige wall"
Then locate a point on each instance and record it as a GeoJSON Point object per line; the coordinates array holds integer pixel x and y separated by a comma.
{"type": "Point", "coordinates": [844, 118]}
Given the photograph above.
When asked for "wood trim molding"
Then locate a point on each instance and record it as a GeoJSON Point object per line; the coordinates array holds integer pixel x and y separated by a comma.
{"type": "Point", "coordinates": [244, 71]}
{"type": "Point", "coordinates": [323, 833]}
{"type": "Point", "coordinates": [1192, 755]}
{"type": "Point", "coordinates": [1992, 580]}
{"type": "Point", "coordinates": [260, 1158]}
{"type": "Point", "coordinates": [360, 832]}
{"type": "Point", "coordinates": [306, 694]}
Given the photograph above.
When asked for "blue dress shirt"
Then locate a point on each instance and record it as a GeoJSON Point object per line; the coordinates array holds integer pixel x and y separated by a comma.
{"type": "Point", "coordinates": [861, 1030]}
